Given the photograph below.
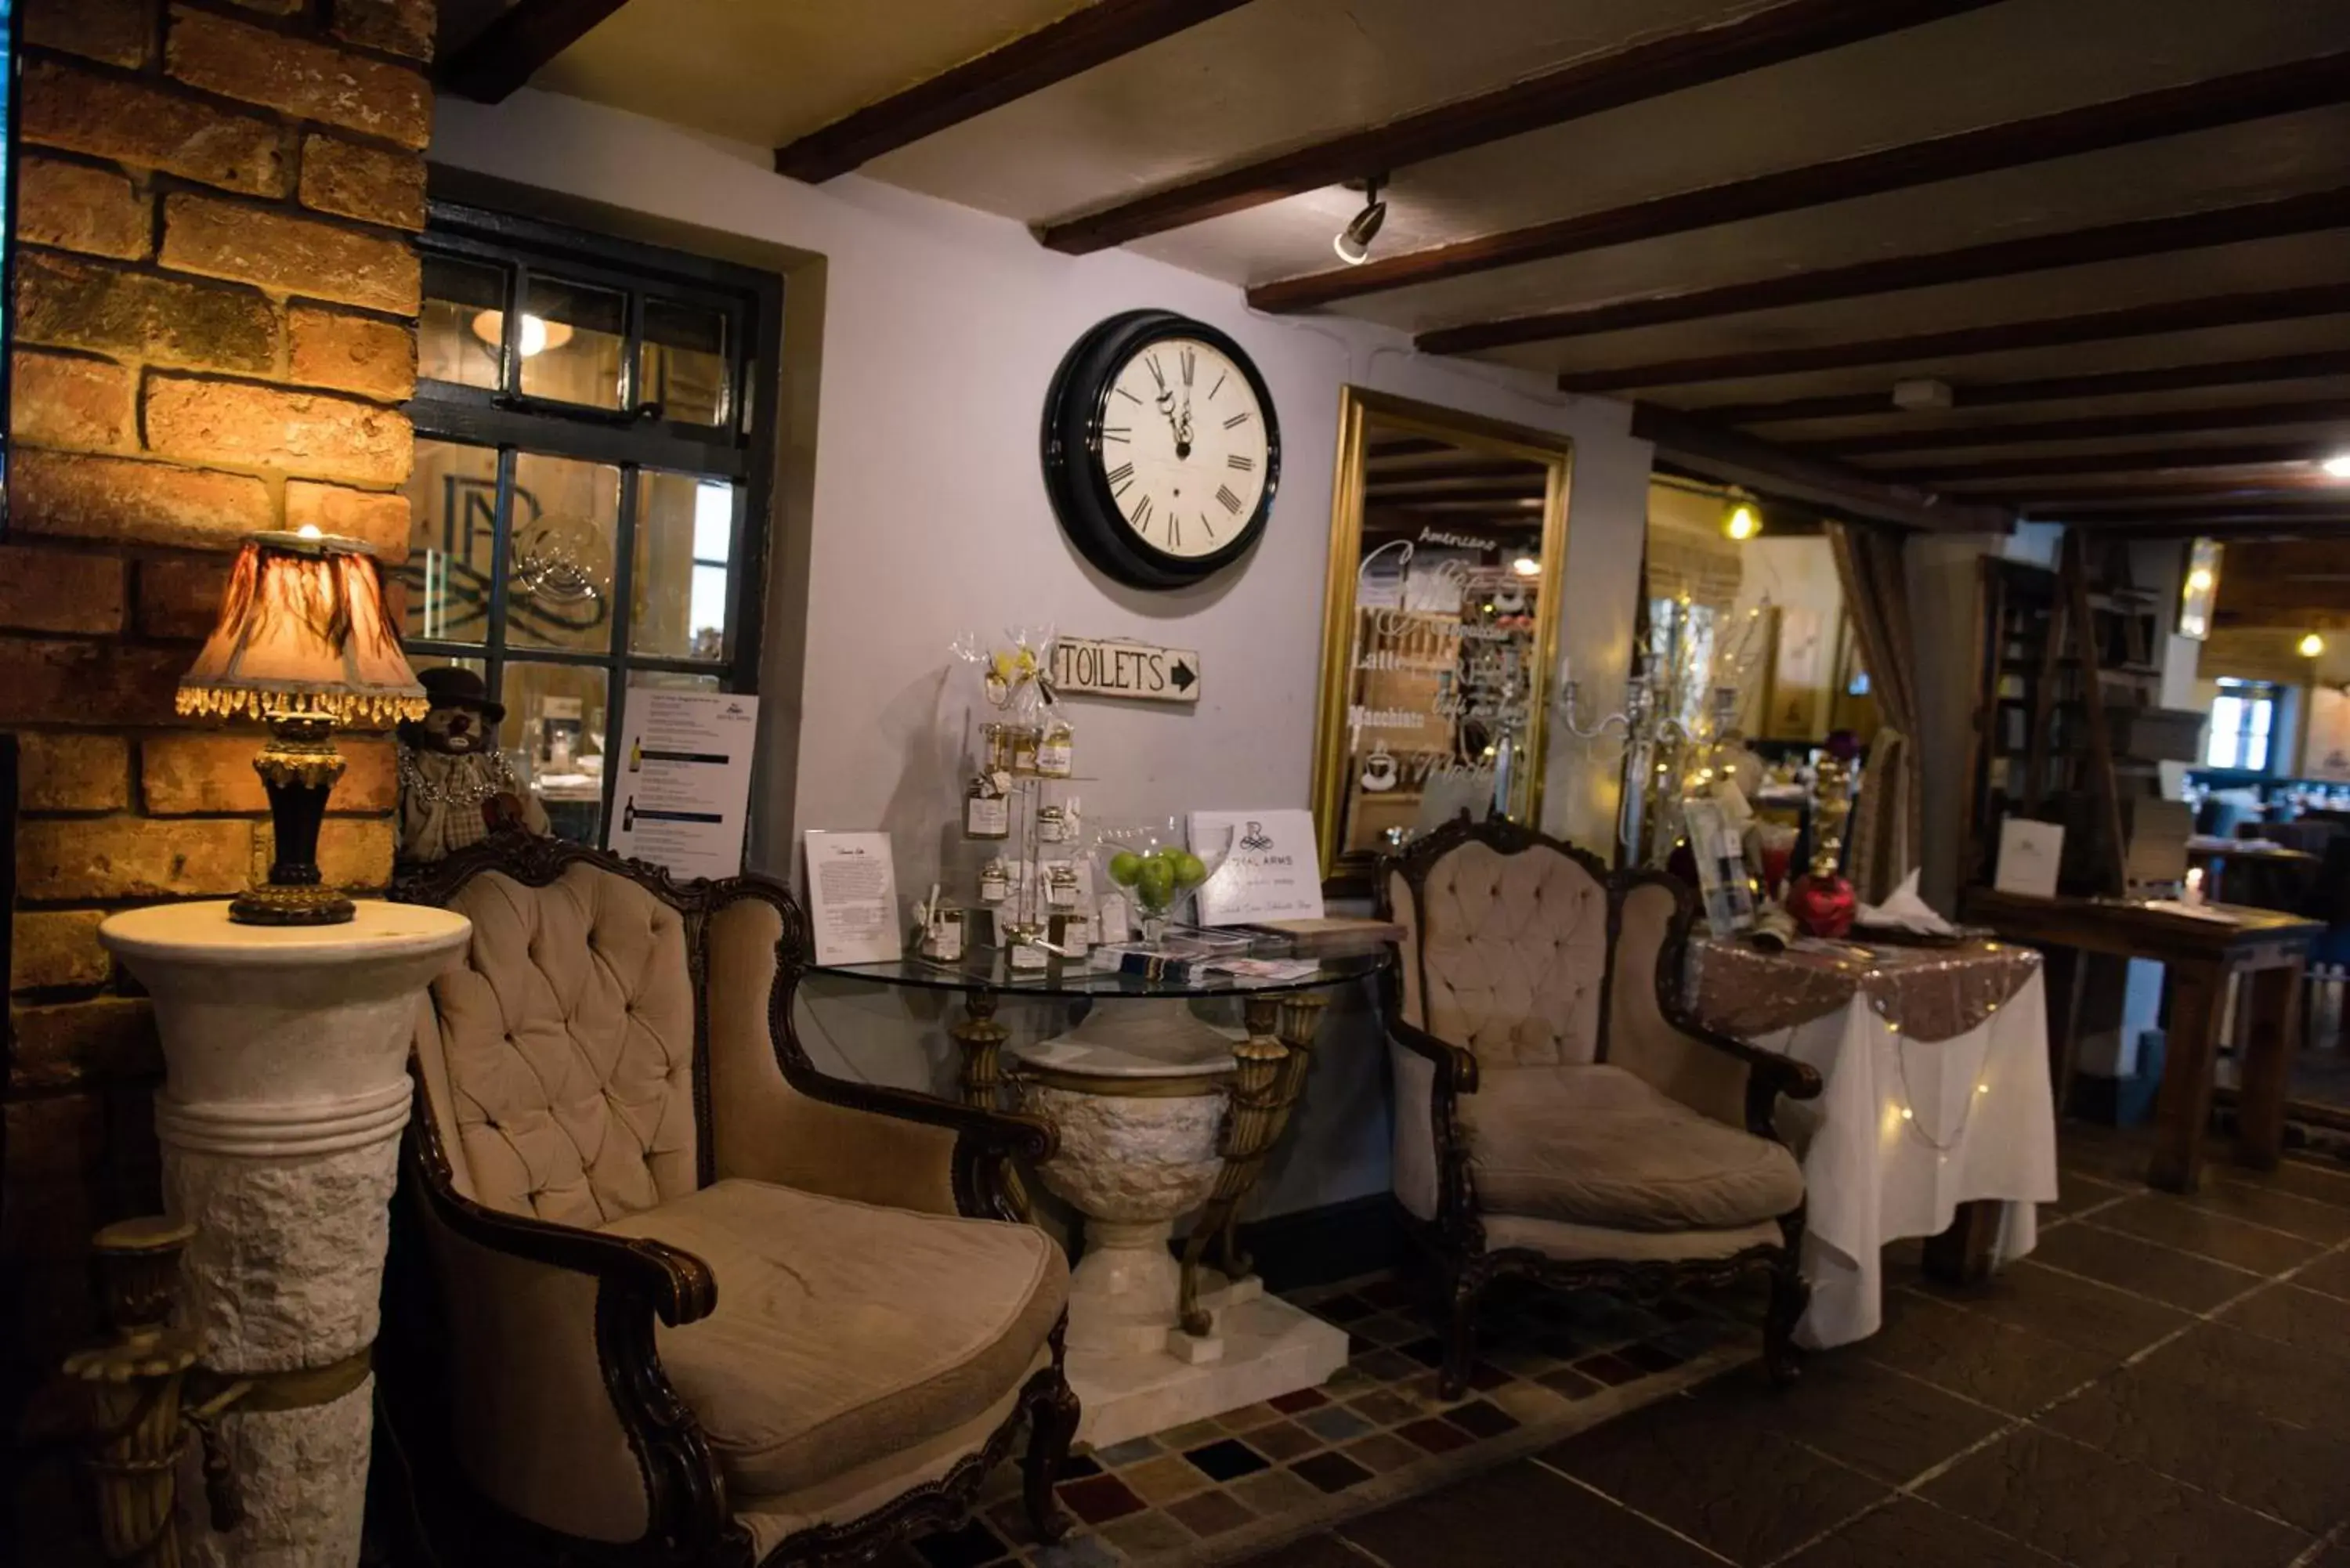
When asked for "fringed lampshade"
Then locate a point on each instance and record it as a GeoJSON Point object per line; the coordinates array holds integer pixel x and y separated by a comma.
{"type": "Point", "coordinates": [303, 644]}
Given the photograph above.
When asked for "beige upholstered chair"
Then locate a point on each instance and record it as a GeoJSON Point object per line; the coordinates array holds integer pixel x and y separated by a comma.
{"type": "Point", "coordinates": [699, 1302]}
{"type": "Point", "coordinates": [1557, 1116]}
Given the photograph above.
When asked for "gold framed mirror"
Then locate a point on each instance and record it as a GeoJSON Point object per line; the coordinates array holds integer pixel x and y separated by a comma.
{"type": "Point", "coordinates": [1439, 625]}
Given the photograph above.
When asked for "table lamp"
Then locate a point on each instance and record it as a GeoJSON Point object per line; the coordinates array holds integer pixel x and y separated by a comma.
{"type": "Point", "coordinates": [303, 644]}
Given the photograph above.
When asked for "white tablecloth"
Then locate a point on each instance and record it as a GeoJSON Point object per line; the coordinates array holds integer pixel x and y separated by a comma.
{"type": "Point", "coordinates": [1982, 1124]}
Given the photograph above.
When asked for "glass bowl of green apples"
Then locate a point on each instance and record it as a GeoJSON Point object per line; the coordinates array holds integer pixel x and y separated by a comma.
{"type": "Point", "coordinates": [1152, 865]}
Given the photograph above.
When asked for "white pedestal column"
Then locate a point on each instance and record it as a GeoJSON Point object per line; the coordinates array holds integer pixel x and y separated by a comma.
{"type": "Point", "coordinates": [286, 1051]}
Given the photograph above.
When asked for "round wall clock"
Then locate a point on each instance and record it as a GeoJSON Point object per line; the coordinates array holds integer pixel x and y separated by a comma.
{"type": "Point", "coordinates": [1161, 452]}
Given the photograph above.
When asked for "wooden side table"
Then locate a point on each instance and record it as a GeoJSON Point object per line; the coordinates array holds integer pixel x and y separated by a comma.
{"type": "Point", "coordinates": [2268, 949]}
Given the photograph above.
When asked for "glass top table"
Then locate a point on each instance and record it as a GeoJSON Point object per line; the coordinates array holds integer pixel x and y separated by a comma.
{"type": "Point", "coordinates": [986, 970]}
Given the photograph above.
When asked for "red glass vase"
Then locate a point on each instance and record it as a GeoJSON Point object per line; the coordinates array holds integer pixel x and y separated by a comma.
{"type": "Point", "coordinates": [1823, 906]}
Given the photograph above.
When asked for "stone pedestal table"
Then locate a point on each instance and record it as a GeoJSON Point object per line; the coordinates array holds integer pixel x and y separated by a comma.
{"type": "Point", "coordinates": [287, 1086]}
{"type": "Point", "coordinates": [1158, 1114]}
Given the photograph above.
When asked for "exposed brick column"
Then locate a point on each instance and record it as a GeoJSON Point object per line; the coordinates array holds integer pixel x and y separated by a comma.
{"type": "Point", "coordinates": [216, 303]}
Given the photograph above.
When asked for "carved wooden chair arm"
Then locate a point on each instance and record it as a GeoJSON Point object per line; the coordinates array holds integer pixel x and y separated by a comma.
{"type": "Point", "coordinates": [978, 1129]}
{"type": "Point", "coordinates": [1456, 1067]}
{"type": "Point", "coordinates": [1769, 1073]}
{"type": "Point", "coordinates": [636, 1280]}
{"type": "Point", "coordinates": [1794, 1079]}
{"type": "Point", "coordinates": [678, 1286]}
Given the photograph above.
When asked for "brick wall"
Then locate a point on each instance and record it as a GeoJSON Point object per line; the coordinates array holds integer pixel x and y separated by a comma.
{"type": "Point", "coordinates": [215, 301]}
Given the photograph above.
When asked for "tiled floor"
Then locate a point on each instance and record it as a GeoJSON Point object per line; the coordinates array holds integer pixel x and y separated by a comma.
{"type": "Point", "coordinates": [1375, 1433]}
{"type": "Point", "coordinates": [2163, 1384]}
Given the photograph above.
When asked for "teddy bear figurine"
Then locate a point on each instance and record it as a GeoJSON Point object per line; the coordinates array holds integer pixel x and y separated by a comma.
{"type": "Point", "coordinates": [456, 787]}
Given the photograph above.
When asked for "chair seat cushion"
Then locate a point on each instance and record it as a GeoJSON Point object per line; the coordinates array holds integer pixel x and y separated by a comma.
{"type": "Point", "coordinates": [1597, 1145]}
{"type": "Point", "coordinates": [844, 1332]}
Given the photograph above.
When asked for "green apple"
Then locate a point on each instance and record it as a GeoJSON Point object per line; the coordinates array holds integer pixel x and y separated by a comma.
{"type": "Point", "coordinates": [1124, 866]}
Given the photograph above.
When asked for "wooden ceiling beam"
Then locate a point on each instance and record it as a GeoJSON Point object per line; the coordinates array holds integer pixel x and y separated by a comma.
{"type": "Point", "coordinates": [2090, 427]}
{"type": "Point", "coordinates": [1436, 490]}
{"type": "Point", "coordinates": [2191, 491]}
{"type": "Point", "coordinates": [2226, 526]}
{"type": "Point", "coordinates": [1093, 34]}
{"type": "Point", "coordinates": [1645, 68]}
{"type": "Point", "coordinates": [1994, 338]}
{"type": "Point", "coordinates": [2169, 459]}
{"type": "Point", "coordinates": [2222, 525]}
{"type": "Point", "coordinates": [2090, 127]}
{"type": "Point", "coordinates": [1734, 457]}
{"type": "Point", "coordinates": [517, 42]}
{"type": "Point", "coordinates": [1408, 446]}
{"type": "Point", "coordinates": [1471, 468]}
{"type": "Point", "coordinates": [1892, 274]}
{"type": "Point", "coordinates": [2273, 582]}
{"type": "Point", "coordinates": [2044, 389]}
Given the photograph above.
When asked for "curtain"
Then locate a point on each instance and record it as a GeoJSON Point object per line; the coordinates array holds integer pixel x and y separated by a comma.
{"type": "Point", "coordinates": [1886, 821]}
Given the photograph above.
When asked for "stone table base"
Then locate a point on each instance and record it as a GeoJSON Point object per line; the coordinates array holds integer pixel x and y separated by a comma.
{"type": "Point", "coordinates": [1268, 1348]}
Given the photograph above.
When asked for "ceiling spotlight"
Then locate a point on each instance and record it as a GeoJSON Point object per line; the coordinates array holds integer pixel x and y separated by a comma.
{"type": "Point", "coordinates": [2311, 645]}
{"type": "Point", "coordinates": [2338, 466]}
{"type": "Point", "coordinates": [1526, 567]}
{"type": "Point", "coordinates": [1353, 242]}
{"type": "Point", "coordinates": [1742, 521]}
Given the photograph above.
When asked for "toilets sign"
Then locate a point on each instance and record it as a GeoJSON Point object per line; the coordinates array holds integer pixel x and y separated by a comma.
{"type": "Point", "coordinates": [1103, 666]}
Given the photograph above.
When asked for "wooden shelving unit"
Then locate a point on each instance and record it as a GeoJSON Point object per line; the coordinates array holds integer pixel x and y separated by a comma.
{"type": "Point", "coordinates": [2068, 722]}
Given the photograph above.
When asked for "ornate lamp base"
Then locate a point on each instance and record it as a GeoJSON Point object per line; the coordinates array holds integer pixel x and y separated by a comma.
{"type": "Point", "coordinates": [298, 768]}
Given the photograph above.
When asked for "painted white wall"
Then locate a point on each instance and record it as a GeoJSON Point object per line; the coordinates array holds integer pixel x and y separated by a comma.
{"type": "Point", "coordinates": [942, 328]}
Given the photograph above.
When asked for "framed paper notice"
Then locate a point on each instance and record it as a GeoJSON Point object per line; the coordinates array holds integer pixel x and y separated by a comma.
{"type": "Point", "coordinates": [852, 886]}
{"type": "Point", "coordinates": [1273, 872]}
{"type": "Point", "coordinates": [2029, 855]}
{"type": "Point", "coordinates": [684, 785]}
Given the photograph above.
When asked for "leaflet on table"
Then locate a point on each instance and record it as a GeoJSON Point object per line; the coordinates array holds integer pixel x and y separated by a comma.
{"type": "Point", "coordinates": [1273, 871]}
{"type": "Point", "coordinates": [683, 788]}
{"type": "Point", "coordinates": [1185, 969]}
{"type": "Point", "coordinates": [853, 898]}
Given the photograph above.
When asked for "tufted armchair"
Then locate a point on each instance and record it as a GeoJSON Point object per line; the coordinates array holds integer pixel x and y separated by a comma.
{"type": "Point", "coordinates": [1557, 1115]}
{"type": "Point", "coordinates": [698, 1302]}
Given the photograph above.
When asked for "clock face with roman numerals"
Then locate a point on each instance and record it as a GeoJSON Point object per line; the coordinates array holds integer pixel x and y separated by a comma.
{"type": "Point", "coordinates": [1161, 449]}
{"type": "Point", "coordinates": [1184, 442]}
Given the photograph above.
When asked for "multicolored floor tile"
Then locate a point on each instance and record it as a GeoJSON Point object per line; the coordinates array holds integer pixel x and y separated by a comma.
{"type": "Point", "coordinates": [1217, 1490]}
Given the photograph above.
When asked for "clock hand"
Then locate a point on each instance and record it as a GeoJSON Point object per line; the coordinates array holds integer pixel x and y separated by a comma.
{"type": "Point", "coordinates": [1180, 428]}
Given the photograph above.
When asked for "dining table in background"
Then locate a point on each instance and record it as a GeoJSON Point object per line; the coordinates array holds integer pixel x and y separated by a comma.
{"type": "Point", "coordinates": [2204, 950]}
{"type": "Point", "coordinates": [1936, 1117]}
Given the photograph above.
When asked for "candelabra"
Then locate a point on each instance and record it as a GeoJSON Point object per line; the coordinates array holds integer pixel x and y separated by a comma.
{"type": "Point", "coordinates": [1649, 725]}
{"type": "Point", "coordinates": [1668, 729]}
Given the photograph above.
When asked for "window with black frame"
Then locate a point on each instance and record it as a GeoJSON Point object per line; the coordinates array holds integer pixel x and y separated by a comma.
{"type": "Point", "coordinates": [2243, 724]}
{"type": "Point", "coordinates": [594, 440]}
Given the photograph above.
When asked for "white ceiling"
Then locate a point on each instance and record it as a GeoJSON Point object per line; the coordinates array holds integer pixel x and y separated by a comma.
{"type": "Point", "coordinates": [1273, 75]}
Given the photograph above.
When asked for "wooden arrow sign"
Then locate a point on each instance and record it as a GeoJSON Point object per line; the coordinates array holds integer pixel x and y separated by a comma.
{"type": "Point", "coordinates": [1105, 667]}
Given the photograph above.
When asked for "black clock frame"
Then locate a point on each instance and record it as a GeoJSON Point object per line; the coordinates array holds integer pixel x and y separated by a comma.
{"type": "Point", "coordinates": [1076, 478]}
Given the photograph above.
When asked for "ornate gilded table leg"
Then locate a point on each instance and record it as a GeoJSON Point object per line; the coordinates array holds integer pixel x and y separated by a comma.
{"type": "Point", "coordinates": [1274, 1062]}
{"type": "Point", "coordinates": [135, 1384]}
{"type": "Point", "coordinates": [982, 1039]}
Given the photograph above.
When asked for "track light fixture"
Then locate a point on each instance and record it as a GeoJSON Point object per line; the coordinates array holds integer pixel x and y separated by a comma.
{"type": "Point", "coordinates": [1353, 242]}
